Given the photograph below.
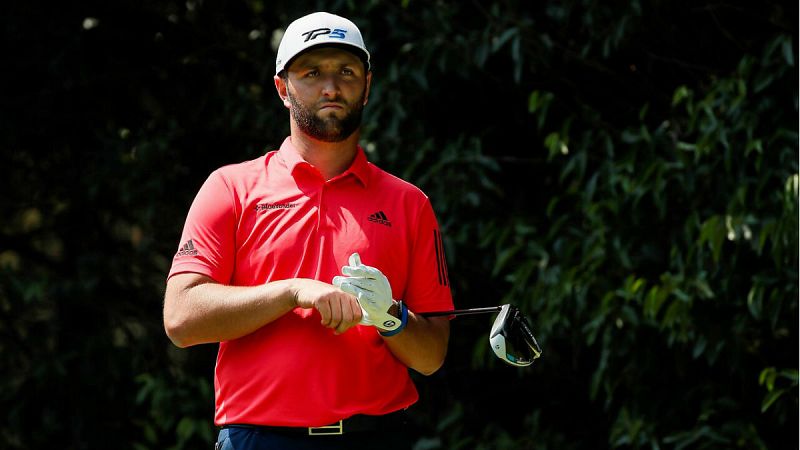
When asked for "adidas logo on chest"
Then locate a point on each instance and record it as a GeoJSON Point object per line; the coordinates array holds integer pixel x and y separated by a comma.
{"type": "Point", "coordinates": [380, 217]}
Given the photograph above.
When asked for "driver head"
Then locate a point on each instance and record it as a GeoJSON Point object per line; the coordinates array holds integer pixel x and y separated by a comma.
{"type": "Point", "coordinates": [511, 338]}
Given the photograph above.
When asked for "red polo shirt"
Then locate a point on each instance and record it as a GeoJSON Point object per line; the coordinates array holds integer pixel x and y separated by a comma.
{"type": "Point", "coordinates": [275, 218]}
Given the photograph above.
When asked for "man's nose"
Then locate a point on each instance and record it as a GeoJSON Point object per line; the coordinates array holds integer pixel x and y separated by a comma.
{"type": "Point", "coordinates": [330, 86]}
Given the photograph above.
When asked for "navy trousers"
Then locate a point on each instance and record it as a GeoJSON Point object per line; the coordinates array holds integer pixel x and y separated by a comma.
{"type": "Point", "coordinates": [253, 438]}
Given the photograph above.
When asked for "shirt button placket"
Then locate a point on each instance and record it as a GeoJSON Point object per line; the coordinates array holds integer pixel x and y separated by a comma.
{"type": "Point", "coordinates": [321, 208]}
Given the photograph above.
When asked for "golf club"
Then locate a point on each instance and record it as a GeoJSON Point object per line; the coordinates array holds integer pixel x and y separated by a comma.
{"type": "Point", "coordinates": [511, 337]}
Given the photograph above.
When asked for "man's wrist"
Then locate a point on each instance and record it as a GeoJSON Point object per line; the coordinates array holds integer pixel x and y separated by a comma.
{"type": "Point", "coordinates": [394, 309]}
{"type": "Point", "coordinates": [402, 310]}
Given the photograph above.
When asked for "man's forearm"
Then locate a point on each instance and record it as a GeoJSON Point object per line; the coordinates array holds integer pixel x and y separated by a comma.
{"type": "Point", "coordinates": [205, 311]}
{"type": "Point", "coordinates": [422, 345]}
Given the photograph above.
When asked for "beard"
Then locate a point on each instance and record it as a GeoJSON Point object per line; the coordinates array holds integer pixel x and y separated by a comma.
{"type": "Point", "coordinates": [330, 129]}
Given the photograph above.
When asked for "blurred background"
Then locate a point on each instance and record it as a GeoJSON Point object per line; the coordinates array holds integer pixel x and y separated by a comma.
{"type": "Point", "coordinates": [625, 172]}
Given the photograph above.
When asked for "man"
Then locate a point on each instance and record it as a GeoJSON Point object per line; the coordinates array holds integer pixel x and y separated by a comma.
{"type": "Point", "coordinates": [310, 266]}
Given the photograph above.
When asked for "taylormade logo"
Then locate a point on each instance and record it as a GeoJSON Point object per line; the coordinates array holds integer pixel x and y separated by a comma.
{"type": "Point", "coordinates": [261, 207]}
{"type": "Point", "coordinates": [336, 33]}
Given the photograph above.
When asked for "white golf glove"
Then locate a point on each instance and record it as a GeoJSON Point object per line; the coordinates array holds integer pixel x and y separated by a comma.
{"type": "Point", "coordinates": [373, 292]}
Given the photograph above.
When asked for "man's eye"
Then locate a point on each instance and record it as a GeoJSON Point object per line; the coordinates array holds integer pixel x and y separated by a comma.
{"type": "Point", "coordinates": [311, 73]}
{"type": "Point", "coordinates": [347, 71]}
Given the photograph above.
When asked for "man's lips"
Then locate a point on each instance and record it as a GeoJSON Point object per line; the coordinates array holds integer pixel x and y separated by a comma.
{"type": "Point", "coordinates": [331, 105]}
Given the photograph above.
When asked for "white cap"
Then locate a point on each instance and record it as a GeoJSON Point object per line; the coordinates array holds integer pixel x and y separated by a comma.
{"type": "Point", "coordinates": [319, 28]}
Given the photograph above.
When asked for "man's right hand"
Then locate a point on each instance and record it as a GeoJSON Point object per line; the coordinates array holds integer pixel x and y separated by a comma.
{"type": "Point", "coordinates": [339, 310]}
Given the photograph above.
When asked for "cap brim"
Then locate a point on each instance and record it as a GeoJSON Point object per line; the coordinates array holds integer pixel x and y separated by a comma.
{"type": "Point", "coordinates": [352, 48]}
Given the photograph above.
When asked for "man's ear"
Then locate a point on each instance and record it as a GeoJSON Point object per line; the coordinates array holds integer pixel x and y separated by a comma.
{"type": "Point", "coordinates": [369, 83]}
{"type": "Point", "coordinates": [281, 87]}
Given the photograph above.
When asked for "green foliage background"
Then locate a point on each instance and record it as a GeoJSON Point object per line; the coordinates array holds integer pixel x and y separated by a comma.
{"type": "Point", "coordinates": [625, 172]}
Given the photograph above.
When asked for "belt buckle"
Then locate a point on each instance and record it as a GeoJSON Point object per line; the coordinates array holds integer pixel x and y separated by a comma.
{"type": "Point", "coordinates": [327, 430]}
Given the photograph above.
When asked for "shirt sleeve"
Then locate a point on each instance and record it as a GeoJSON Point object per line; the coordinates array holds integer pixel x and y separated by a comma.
{"type": "Point", "coordinates": [429, 283]}
{"type": "Point", "coordinates": [207, 244]}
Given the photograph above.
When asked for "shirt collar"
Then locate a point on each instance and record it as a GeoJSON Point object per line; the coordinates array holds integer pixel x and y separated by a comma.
{"type": "Point", "coordinates": [292, 159]}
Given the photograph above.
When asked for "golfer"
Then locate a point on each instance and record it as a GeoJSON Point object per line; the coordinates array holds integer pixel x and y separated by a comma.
{"type": "Point", "coordinates": [309, 266]}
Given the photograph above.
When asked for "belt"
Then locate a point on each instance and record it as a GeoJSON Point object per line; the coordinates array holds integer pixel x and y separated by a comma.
{"type": "Point", "coordinates": [359, 423]}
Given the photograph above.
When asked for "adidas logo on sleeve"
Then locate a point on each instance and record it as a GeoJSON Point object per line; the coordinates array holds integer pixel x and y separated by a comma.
{"type": "Point", "coordinates": [187, 249]}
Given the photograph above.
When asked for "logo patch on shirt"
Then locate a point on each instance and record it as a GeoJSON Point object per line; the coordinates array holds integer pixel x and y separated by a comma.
{"type": "Point", "coordinates": [187, 249]}
{"type": "Point", "coordinates": [380, 217]}
{"type": "Point", "coordinates": [261, 207]}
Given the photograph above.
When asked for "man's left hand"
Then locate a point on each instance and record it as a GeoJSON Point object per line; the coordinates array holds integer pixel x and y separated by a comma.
{"type": "Point", "coordinates": [373, 291]}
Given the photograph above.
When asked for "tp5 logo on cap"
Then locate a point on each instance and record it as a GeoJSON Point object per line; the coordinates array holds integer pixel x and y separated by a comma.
{"type": "Point", "coordinates": [337, 33]}
{"type": "Point", "coordinates": [303, 34]}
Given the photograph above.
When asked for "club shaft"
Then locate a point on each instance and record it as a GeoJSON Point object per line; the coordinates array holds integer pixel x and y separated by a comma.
{"type": "Point", "coordinates": [462, 312]}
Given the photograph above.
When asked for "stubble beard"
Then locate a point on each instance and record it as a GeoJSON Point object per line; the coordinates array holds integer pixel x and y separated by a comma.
{"type": "Point", "coordinates": [330, 129]}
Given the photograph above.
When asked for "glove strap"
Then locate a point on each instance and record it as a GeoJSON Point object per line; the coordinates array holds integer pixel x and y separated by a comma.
{"type": "Point", "coordinates": [403, 321]}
